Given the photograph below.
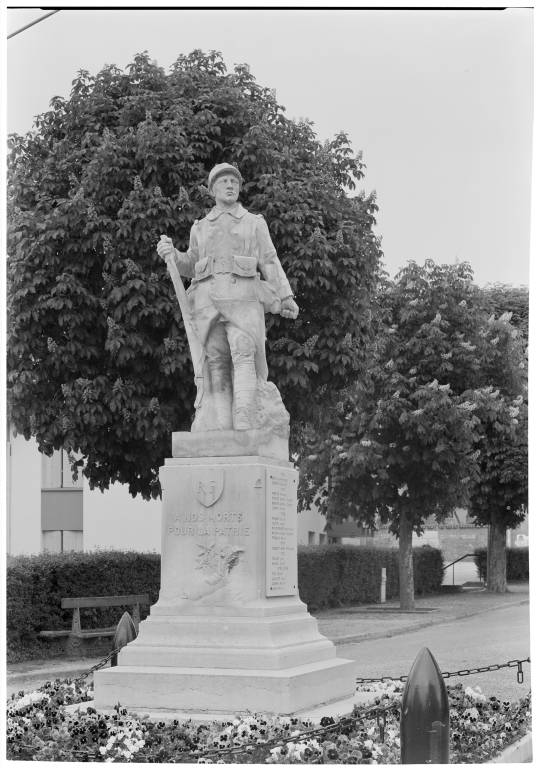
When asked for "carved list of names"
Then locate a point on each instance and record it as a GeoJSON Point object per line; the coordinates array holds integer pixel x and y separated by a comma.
{"type": "Point", "coordinates": [281, 533]}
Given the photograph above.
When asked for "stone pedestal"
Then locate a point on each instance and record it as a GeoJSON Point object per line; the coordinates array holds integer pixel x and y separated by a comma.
{"type": "Point", "coordinates": [229, 632]}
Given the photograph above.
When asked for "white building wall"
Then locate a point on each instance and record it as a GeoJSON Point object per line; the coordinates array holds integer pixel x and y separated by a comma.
{"type": "Point", "coordinates": [311, 523]}
{"type": "Point", "coordinates": [24, 497]}
{"type": "Point", "coordinates": [116, 520]}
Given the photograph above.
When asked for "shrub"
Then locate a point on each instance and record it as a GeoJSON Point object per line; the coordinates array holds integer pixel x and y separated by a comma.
{"type": "Point", "coordinates": [343, 574]}
{"type": "Point", "coordinates": [516, 563]}
{"type": "Point", "coordinates": [37, 583]}
{"type": "Point", "coordinates": [328, 576]}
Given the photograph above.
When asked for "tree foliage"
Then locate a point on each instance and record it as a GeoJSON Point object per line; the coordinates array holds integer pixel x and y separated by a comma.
{"type": "Point", "coordinates": [97, 354]}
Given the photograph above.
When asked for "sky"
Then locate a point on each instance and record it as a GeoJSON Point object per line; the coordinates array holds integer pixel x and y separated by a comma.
{"type": "Point", "coordinates": [441, 103]}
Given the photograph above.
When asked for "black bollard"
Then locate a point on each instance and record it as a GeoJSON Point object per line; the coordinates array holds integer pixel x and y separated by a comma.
{"type": "Point", "coordinates": [424, 727]}
{"type": "Point", "coordinates": [124, 634]}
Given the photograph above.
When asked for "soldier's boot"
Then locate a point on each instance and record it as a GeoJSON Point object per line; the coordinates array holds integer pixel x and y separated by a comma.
{"type": "Point", "coordinates": [244, 393]}
{"type": "Point", "coordinates": [221, 383]}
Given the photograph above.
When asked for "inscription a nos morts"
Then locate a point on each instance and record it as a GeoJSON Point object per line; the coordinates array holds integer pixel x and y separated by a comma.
{"type": "Point", "coordinates": [209, 523]}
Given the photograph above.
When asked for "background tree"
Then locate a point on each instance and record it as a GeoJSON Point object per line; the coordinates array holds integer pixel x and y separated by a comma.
{"type": "Point", "coordinates": [502, 298]}
{"type": "Point", "coordinates": [499, 497]}
{"type": "Point", "coordinates": [406, 440]}
{"type": "Point", "coordinates": [97, 354]}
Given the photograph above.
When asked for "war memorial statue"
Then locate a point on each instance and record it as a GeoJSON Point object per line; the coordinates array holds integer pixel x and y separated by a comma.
{"type": "Point", "coordinates": [225, 307]}
{"type": "Point", "coordinates": [229, 632]}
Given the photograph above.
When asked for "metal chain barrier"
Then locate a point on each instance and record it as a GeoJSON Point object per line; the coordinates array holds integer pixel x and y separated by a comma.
{"type": "Point", "coordinates": [98, 666]}
{"type": "Point", "coordinates": [377, 712]}
{"type": "Point", "coordinates": [461, 673]}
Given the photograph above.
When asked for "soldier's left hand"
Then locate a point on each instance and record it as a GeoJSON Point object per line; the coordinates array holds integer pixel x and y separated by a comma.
{"type": "Point", "coordinates": [289, 308]}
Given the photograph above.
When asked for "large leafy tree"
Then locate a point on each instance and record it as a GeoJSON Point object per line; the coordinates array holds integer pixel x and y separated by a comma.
{"type": "Point", "coordinates": [97, 355]}
{"type": "Point", "coordinates": [406, 440]}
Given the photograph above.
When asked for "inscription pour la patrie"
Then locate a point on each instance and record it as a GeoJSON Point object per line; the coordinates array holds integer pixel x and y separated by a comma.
{"type": "Point", "coordinates": [209, 524]}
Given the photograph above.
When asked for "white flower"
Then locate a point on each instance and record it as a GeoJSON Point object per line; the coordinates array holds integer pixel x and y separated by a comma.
{"type": "Point", "coordinates": [31, 698]}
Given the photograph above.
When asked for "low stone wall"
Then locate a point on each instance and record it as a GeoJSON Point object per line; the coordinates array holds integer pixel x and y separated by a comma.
{"type": "Point", "coordinates": [454, 540]}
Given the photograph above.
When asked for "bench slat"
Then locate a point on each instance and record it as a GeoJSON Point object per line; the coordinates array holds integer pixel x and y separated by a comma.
{"type": "Point", "coordinates": [104, 632]}
{"type": "Point", "coordinates": [102, 602]}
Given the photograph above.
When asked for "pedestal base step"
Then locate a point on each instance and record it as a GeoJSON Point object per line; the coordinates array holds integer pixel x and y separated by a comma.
{"type": "Point", "coordinates": [338, 708]}
{"type": "Point", "coordinates": [213, 692]}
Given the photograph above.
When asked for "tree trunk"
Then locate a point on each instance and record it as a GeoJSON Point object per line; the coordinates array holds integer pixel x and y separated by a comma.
{"type": "Point", "coordinates": [496, 563]}
{"type": "Point", "coordinates": [405, 564]}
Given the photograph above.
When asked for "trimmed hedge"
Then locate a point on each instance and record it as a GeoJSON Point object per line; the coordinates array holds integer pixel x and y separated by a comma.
{"type": "Point", "coordinates": [516, 563]}
{"type": "Point", "coordinates": [329, 576]}
{"type": "Point", "coordinates": [36, 584]}
{"type": "Point", "coordinates": [343, 574]}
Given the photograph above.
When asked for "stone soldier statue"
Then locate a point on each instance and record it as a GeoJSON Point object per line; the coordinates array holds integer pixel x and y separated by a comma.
{"type": "Point", "coordinates": [226, 303]}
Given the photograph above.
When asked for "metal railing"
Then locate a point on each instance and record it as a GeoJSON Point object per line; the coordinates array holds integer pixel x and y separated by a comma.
{"type": "Point", "coordinates": [469, 554]}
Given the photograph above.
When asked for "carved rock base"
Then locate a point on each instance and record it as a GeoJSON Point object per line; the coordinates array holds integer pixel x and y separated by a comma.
{"type": "Point", "coordinates": [227, 442]}
{"type": "Point", "coordinates": [225, 691]}
{"type": "Point", "coordinates": [229, 631]}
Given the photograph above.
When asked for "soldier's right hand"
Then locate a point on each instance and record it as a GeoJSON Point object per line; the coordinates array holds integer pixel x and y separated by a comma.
{"type": "Point", "coordinates": [165, 247]}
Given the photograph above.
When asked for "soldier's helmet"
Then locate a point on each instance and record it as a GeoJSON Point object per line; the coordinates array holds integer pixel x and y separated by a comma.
{"type": "Point", "coordinates": [218, 170]}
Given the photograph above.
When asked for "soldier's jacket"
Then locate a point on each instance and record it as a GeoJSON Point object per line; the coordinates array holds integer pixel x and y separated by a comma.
{"type": "Point", "coordinates": [226, 250]}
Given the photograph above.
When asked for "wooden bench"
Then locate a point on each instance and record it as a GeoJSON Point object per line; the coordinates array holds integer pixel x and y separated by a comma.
{"type": "Point", "coordinates": [75, 638]}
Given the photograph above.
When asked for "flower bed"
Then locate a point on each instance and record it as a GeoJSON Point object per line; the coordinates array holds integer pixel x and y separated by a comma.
{"type": "Point", "coordinates": [40, 727]}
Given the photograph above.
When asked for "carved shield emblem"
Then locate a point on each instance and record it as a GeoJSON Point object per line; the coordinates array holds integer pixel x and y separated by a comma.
{"type": "Point", "coordinates": [208, 485]}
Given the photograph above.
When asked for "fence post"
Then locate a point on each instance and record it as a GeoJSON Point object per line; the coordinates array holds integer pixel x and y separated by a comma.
{"type": "Point", "coordinates": [124, 634]}
{"type": "Point", "coordinates": [383, 587]}
{"type": "Point", "coordinates": [424, 727]}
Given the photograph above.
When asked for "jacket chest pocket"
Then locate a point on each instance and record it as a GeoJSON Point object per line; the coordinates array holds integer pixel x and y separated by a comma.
{"type": "Point", "coordinates": [245, 266]}
{"type": "Point", "coordinates": [201, 270]}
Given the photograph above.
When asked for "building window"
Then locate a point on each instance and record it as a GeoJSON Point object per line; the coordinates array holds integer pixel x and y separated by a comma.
{"type": "Point", "coordinates": [63, 541]}
{"type": "Point", "coordinates": [311, 537]}
{"type": "Point", "coordinates": [56, 471]}
{"type": "Point", "coordinates": [322, 538]}
{"type": "Point", "coordinates": [61, 504]}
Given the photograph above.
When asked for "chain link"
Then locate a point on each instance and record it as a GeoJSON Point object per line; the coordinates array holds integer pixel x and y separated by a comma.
{"type": "Point", "coordinates": [98, 666]}
{"type": "Point", "coordinates": [461, 673]}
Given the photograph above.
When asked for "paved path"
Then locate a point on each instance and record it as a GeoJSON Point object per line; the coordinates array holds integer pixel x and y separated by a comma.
{"type": "Point", "coordinates": [490, 638]}
{"type": "Point", "coordinates": [349, 625]}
